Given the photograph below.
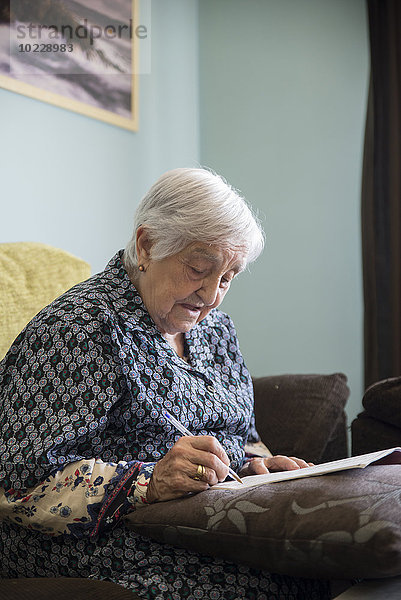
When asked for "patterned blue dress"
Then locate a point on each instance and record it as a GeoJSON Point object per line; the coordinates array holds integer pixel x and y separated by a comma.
{"type": "Point", "coordinates": [82, 391]}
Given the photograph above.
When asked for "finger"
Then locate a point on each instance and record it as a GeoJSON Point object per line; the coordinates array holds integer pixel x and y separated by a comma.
{"type": "Point", "coordinates": [208, 443]}
{"type": "Point", "coordinates": [301, 463]}
{"type": "Point", "coordinates": [282, 463]}
{"type": "Point", "coordinates": [216, 470]}
{"type": "Point", "coordinates": [209, 475]}
{"type": "Point", "coordinates": [256, 466]}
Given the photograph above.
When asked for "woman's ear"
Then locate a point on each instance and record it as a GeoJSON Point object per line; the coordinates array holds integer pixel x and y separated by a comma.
{"type": "Point", "coordinates": [143, 245]}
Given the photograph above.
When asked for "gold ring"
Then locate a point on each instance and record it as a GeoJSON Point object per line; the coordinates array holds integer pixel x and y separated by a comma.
{"type": "Point", "coordinates": [200, 472]}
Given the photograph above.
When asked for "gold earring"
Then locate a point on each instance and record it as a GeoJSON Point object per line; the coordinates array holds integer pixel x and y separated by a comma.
{"type": "Point", "coordinates": [141, 268]}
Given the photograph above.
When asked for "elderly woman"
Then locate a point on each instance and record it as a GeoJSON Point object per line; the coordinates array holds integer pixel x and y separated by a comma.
{"type": "Point", "coordinates": [83, 439]}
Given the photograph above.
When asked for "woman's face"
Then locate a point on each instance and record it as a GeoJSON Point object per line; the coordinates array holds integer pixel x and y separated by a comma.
{"type": "Point", "coordinates": [179, 291]}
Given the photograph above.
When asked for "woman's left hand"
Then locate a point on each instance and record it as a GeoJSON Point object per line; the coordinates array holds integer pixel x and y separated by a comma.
{"type": "Point", "coordinates": [259, 466]}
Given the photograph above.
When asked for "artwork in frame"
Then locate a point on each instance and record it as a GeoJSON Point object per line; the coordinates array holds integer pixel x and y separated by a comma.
{"type": "Point", "coordinates": [81, 55]}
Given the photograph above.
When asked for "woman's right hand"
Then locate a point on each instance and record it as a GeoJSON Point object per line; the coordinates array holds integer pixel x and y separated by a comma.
{"type": "Point", "coordinates": [173, 475]}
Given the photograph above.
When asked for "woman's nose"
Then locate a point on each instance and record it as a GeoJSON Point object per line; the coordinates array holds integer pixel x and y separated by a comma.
{"type": "Point", "coordinates": [209, 291]}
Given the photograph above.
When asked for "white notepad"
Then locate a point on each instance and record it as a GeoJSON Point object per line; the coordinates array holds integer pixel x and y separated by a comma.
{"type": "Point", "coordinates": [391, 456]}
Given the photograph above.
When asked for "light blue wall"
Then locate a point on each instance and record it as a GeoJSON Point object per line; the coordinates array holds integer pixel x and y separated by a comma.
{"type": "Point", "coordinates": [283, 89]}
{"type": "Point", "coordinates": [281, 97]}
{"type": "Point", "coordinates": [74, 182]}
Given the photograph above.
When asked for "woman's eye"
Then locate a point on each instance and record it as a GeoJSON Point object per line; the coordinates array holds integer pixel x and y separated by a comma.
{"type": "Point", "coordinates": [225, 282]}
{"type": "Point", "coordinates": [196, 271]}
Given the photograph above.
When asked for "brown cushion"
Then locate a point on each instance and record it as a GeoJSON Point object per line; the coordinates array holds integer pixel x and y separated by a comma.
{"type": "Point", "coordinates": [335, 526]}
{"type": "Point", "coordinates": [337, 445]}
{"type": "Point", "coordinates": [382, 400]}
{"type": "Point", "coordinates": [299, 415]}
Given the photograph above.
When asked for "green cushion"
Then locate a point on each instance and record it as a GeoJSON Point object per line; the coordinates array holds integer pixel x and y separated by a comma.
{"type": "Point", "coordinates": [31, 276]}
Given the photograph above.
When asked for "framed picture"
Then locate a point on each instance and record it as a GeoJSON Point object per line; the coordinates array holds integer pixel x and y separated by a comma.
{"type": "Point", "coordinates": [81, 55]}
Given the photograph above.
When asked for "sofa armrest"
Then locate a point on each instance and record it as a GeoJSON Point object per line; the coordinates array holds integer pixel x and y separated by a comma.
{"type": "Point", "coordinates": [303, 415]}
{"type": "Point", "coordinates": [369, 434]}
{"type": "Point", "coordinates": [379, 425]}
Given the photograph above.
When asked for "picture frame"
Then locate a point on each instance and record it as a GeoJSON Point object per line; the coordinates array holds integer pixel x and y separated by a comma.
{"type": "Point", "coordinates": [108, 90]}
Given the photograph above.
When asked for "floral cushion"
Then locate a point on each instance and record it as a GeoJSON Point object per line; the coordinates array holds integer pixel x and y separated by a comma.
{"type": "Point", "coordinates": [342, 525]}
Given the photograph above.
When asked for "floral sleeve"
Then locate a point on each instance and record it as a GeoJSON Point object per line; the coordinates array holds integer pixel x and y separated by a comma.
{"type": "Point", "coordinates": [85, 497]}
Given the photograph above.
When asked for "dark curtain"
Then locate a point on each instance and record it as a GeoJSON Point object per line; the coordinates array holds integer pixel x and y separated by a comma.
{"type": "Point", "coordinates": [381, 195]}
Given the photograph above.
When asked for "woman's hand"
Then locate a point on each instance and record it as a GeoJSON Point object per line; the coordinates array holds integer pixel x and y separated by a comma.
{"type": "Point", "coordinates": [259, 466]}
{"type": "Point", "coordinates": [173, 475]}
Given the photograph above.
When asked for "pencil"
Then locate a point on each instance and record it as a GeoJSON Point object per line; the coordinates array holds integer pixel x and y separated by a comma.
{"type": "Point", "coordinates": [180, 427]}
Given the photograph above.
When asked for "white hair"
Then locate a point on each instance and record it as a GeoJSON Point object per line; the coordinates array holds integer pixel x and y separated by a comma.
{"type": "Point", "coordinates": [195, 205]}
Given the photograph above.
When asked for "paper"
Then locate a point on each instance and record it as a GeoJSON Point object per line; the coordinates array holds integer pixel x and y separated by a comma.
{"type": "Point", "coordinates": [390, 456]}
